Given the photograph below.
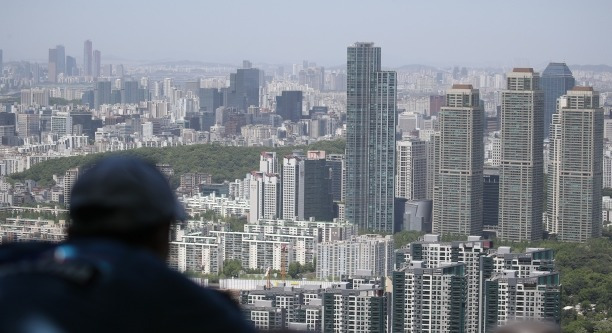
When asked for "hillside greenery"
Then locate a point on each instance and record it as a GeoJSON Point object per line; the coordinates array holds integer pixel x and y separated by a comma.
{"type": "Point", "coordinates": [58, 101]}
{"type": "Point", "coordinates": [222, 162]}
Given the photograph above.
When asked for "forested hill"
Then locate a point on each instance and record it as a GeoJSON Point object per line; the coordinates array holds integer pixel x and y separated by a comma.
{"type": "Point", "coordinates": [222, 162]}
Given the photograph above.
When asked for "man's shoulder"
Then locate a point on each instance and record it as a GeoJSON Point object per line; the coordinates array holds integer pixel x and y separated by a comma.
{"type": "Point", "coordinates": [123, 281]}
{"type": "Point", "coordinates": [11, 252]}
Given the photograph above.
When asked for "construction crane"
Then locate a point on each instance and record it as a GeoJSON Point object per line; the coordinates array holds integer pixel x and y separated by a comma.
{"type": "Point", "coordinates": [267, 276]}
{"type": "Point", "coordinates": [284, 262]}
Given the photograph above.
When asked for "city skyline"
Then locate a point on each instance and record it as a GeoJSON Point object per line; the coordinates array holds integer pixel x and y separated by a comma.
{"type": "Point", "coordinates": [403, 47]}
{"type": "Point", "coordinates": [347, 167]}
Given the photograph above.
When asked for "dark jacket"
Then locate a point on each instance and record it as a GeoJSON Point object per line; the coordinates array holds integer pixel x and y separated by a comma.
{"type": "Point", "coordinates": [103, 286]}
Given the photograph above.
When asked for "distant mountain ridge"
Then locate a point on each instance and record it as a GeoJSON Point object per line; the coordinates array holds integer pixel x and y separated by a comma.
{"type": "Point", "coordinates": [591, 68]}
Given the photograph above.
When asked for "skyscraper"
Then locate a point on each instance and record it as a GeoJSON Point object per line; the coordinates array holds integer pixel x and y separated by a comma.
{"type": "Point", "coordinates": [244, 88]}
{"type": "Point", "coordinates": [60, 53]}
{"type": "Point", "coordinates": [556, 80]}
{"type": "Point", "coordinates": [97, 63]}
{"type": "Point", "coordinates": [370, 144]}
{"type": "Point", "coordinates": [306, 187]}
{"type": "Point", "coordinates": [411, 169]}
{"type": "Point", "coordinates": [293, 178]}
{"type": "Point", "coordinates": [457, 193]}
{"type": "Point", "coordinates": [490, 198]}
{"type": "Point", "coordinates": [289, 105]}
{"type": "Point", "coordinates": [576, 140]}
{"type": "Point", "coordinates": [129, 92]}
{"type": "Point", "coordinates": [71, 67]}
{"type": "Point", "coordinates": [70, 178]}
{"type": "Point", "coordinates": [88, 58]}
{"type": "Point", "coordinates": [521, 164]}
{"type": "Point", "coordinates": [210, 99]}
{"type": "Point", "coordinates": [52, 68]}
{"type": "Point", "coordinates": [316, 196]}
{"type": "Point", "coordinates": [102, 93]}
{"type": "Point", "coordinates": [1, 63]}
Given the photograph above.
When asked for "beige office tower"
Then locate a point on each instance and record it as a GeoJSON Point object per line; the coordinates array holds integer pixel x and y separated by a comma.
{"type": "Point", "coordinates": [576, 145]}
{"type": "Point", "coordinates": [521, 165]}
{"type": "Point", "coordinates": [457, 193]}
{"type": "Point", "coordinates": [411, 158]}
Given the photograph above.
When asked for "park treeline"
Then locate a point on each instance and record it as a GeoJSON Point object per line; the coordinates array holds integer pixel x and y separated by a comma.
{"type": "Point", "coordinates": [222, 162]}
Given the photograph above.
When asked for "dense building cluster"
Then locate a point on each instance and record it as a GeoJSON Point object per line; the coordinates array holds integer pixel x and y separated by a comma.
{"type": "Point", "coordinates": [459, 286]}
{"type": "Point", "coordinates": [462, 153]}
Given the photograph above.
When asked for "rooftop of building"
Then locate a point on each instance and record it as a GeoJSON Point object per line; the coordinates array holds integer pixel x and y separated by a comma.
{"type": "Point", "coordinates": [522, 70]}
{"type": "Point", "coordinates": [582, 88]}
{"type": "Point", "coordinates": [462, 86]}
{"type": "Point", "coordinates": [363, 44]}
{"type": "Point", "coordinates": [557, 69]}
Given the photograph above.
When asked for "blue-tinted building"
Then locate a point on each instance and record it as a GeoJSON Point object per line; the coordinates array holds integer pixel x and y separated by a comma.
{"type": "Point", "coordinates": [289, 105]}
{"type": "Point", "coordinates": [556, 80]}
{"type": "Point", "coordinates": [490, 198]}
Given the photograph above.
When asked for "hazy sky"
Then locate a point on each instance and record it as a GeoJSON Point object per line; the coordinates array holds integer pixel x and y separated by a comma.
{"type": "Point", "coordinates": [470, 32]}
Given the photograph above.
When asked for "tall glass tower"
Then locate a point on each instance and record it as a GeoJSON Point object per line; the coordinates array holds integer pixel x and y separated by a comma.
{"type": "Point", "coordinates": [522, 162]}
{"type": "Point", "coordinates": [458, 181]}
{"type": "Point", "coordinates": [370, 139]}
{"type": "Point", "coordinates": [575, 172]}
{"type": "Point", "coordinates": [556, 80]}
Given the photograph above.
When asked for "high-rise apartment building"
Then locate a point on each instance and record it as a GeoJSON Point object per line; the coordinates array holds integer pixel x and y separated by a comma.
{"type": "Point", "coordinates": [96, 64]}
{"type": "Point", "coordinates": [268, 162]}
{"type": "Point", "coordinates": [575, 172]}
{"type": "Point", "coordinates": [430, 253]}
{"type": "Point", "coordinates": [265, 193]}
{"type": "Point", "coordinates": [28, 125]}
{"type": "Point", "coordinates": [373, 253]}
{"type": "Point", "coordinates": [336, 165]}
{"type": "Point", "coordinates": [57, 63]}
{"type": "Point", "coordinates": [510, 298]}
{"type": "Point", "coordinates": [265, 196]}
{"type": "Point", "coordinates": [52, 67]}
{"type": "Point", "coordinates": [306, 187]}
{"type": "Point", "coordinates": [70, 179]}
{"type": "Point", "coordinates": [556, 80]}
{"type": "Point", "coordinates": [457, 192]}
{"type": "Point", "coordinates": [411, 157]}
{"type": "Point", "coordinates": [370, 139]}
{"type": "Point", "coordinates": [88, 58]}
{"type": "Point", "coordinates": [429, 299]}
{"type": "Point", "coordinates": [293, 179]}
{"type": "Point", "coordinates": [71, 66]}
{"type": "Point", "coordinates": [521, 165]}
{"type": "Point", "coordinates": [35, 97]}
{"type": "Point", "coordinates": [60, 60]}
{"type": "Point", "coordinates": [481, 264]}
{"type": "Point", "coordinates": [358, 311]}
{"type": "Point", "coordinates": [432, 163]}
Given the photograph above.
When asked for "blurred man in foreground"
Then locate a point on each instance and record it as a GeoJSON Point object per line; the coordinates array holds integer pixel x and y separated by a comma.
{"type": "Point", "coordinates": [110, 276]}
